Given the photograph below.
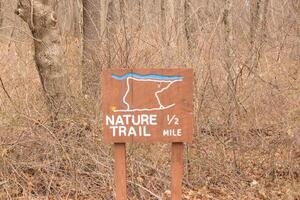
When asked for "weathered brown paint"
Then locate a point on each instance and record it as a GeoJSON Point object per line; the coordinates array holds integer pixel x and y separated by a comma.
{"type": "Point", "coordinates": [176, 170]}
{"type": "Point", "coordinates": [120, 170]}
{"type": "Point", "coordinates": [141, 95]}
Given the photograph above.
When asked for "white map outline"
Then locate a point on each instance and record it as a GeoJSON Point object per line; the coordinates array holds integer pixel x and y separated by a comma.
{"type": "Point", "coordinates": [161, 107]}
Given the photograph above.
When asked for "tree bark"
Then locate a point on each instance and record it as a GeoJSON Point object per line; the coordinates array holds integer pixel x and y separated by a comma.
{"type": "Point", "coordinates": [254, 20]}
{"type": "Point", "coordinates": [91, 44]}
{"type": "Point", "coordinates": [296, 49]}
{"type": "Point", "coordinates": [231, 89]}
{"type": "Point", "coordinates": [163, 20]}
{"type": "Point", "coordinates": [263, 19]}
{"type": "Point", "coordinates": [165, 23]}
{"type": "Point", "coordinates": [125, 30]}
{"type": "Point", "coordinates": [111, 19]}
{"type": "Point", "coordinates": [258, 30]}
{"type": "Point", "coordinates": [140, 14]}
{"type": "Point", "coordinates": [1, 14]}
{"type": "Point", "coordinates": [41, 18]}
{"type": "Point", "coordinates": [68, 14]}
{"type": "Point", "coordinates": [178, 20]}
{"type": "Point", "coordinates": [232, 107]}
{"type": "Point", "coordinates": [190, 26]}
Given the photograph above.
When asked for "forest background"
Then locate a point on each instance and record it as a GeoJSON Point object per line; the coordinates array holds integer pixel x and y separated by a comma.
{"type": "Point", "coordinates": [246, 61]}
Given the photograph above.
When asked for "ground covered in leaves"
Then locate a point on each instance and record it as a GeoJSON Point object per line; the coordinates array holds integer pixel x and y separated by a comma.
{"type": "Point", "coordinates": [38, 161]}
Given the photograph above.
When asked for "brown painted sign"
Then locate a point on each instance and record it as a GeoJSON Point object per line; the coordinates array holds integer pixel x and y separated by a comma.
{"type": "Point", "coordinates": [147, 105]}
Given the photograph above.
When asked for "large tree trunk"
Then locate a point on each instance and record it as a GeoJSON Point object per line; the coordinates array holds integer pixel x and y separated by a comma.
{"type": "Point", "coordinates": [91, 44]}
{"type": "Point", "coordinates": [40, 15]}
{"type": "Point", "coordinates": [70, 16]}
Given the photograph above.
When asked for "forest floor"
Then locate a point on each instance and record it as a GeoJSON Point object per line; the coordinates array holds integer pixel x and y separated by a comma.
{"type": "Point", "coordinates": [71, 162]}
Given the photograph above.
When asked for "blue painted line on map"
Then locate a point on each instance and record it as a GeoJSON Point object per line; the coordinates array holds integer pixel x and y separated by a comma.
{"type": "Point", "coordinates": [147, 76]}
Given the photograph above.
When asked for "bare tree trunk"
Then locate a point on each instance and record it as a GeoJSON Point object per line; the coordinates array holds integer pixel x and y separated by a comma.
{"type": "Point", "coordinates": [254, 23]}
{"type": "Point", "coordinates": [163, 20]}
{"type": "Point", "coordinates": [258, 26]}
{"type": "Point", "coordinates": [231, 90]}
{"type": "Point", "coordinates": [91, 44]}
{"type": "Point", "coordinates": [171, 15]}
{"type": "Point", "coordinates": [1, 14]}
{"type": "Point", "coordinates": [68, 14]}
{"type": "Point", "coordinates": [177, 19]}
{"type": "Point", "coordinates": [263, 20]}
{"type": "Point", "coordinates": [125, 29]}
{"type": "Point", "coordinates": [111, 19]}
{"type": "Point", "coordinates": [140, 14]}
{"type": "Point", "coordinates": [254, 20]}
{"type": "Point", "coordinates": [296, 49]}
{"type": "Point", "coordinates": [41, 18]}
{"type": "Point", "coordinates": [232, 102]}
{"type": "Point", "coordinates": [190, 26]}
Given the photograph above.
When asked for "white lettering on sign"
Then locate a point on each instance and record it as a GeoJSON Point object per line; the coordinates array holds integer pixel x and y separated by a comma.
{"type": "Point", "coordinates": [138, 120]}
{"type": "Point", "coordinates": [130, 125]}
{"type": "Point", "coordinates": [172, 132]}
{"type": "Point", "coordinates": [173, 120]}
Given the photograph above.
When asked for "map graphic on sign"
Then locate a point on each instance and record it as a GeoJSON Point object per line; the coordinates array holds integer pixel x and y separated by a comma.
{"type": "Point", "coordinates": [164, 83]}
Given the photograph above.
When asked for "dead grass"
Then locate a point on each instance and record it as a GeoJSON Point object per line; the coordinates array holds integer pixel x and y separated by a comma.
{"type": "Point", "coordinates": [256, 159]}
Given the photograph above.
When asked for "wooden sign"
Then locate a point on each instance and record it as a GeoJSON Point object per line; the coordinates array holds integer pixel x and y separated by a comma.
{"type": "Point", "coordinates": [147, 105]}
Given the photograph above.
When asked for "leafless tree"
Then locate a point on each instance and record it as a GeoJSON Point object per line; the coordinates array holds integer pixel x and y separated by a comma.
{"type": "Point", "coordinates": [296, 9]}
{"type": "Point", "coordinates": [1, 15]}
{"type": "Point", "coordinates": [178, 19]}
{"type": "Point", "coordinates": [258, 25]}
{"type": "Point", "coordinates": [163, 20]}
{"type": "Point", "coordinates": [91, 44]}
{"type": "Point", "coordinates": [140, 14]}
{"type": "Point", "coordinates": [125, 30]}
{"type": "Point", "coordinates": [254, 19]}
{"type": "Point", "coordinates": [41, 18]}
{"type": "Point", "coordinates": [166, 16]}
{"type": "Point", "coordinates": [111, 19]}
{"type": "Point", "coordinates": [190, 25]}
{"type": "Point", "coordinates": [263, 19]}
{"type": "Point", "coordinates": [69, 14]}
{"type": "Point", "coordinates": [228, 39]}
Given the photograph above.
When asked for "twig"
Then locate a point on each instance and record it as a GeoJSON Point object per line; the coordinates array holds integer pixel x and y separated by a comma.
{"type": "Point", "coordinates": [142, 187]}
{"type": "Point", "coordinates": [5, 91]}
{"type": "Point", "coordinates": [31, 13]}
{"type": "Point", "coordinates": [3, 183]}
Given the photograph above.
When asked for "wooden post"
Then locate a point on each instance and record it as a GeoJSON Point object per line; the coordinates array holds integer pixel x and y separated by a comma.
{"type": "Point", "coordinates": [176, 170]}
{"type": "Point", "coordinates": [120, 170]}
